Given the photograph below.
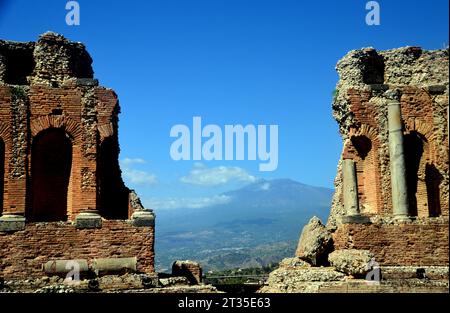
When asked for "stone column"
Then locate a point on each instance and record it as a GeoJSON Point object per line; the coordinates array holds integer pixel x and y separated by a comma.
{"type": "Point", "coordinates": [350, 195]}
{"type": "Point", "coordinates": [397, 160]}
{"type": "Point", "coordinates": [351, 204]}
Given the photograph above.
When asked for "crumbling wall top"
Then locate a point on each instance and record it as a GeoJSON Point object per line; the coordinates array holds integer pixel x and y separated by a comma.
{"type": "Point", "coordinates": [52, 60]}
{"type": "Point", "coordinates": [402, 66]}
{"type": "Point", "coordinates": [375, 72]}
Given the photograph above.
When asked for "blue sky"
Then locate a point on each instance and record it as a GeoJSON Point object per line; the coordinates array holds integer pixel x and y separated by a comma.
{"type": "Point", "coordinates": [230, 62]}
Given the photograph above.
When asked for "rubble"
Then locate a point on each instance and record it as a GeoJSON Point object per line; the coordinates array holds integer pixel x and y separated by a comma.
{"type": "Point", "coordinates": [351, 261]}
{"type": "Point", "coordinates": [315, 242]}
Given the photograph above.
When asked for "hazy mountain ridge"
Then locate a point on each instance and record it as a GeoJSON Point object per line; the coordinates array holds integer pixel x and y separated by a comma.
{"type": "Point", "coordinates": [259, 225]}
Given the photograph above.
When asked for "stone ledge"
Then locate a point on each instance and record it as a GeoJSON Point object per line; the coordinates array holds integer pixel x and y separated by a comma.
{"type": "Point", "coordinates": [355, 219]}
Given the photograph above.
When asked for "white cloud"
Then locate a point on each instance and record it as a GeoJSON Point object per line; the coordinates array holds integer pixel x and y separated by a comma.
{"type": "Point", "coordinates": [186, 203]}
{"type": "Point", "coordinates": [201, 175]}
{"type": "Point", "coordinates": [128, 161]}
{"type": "Point", "coordinates": [134, 176]}
{"type": "Point", "coordinates": [139, 177]}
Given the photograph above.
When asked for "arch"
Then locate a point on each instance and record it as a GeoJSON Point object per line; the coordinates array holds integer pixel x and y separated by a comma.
{"type": "Point", "coordinates": [426, 197]}
{"type": "Point", "coordinates": [70, 127]}
{"type": "Point", "coordinates": [366, 171]}
{"type": "Point", "coordinates": [425, 130]}
{"type": "Point", "coordinates": [51, 163]}
{"type": "Point", "coordinates": [362, 147]}
{"type": "Point", "coordinates": [422, 176]}
{"type": "Point", "coordinates": [113, 195]}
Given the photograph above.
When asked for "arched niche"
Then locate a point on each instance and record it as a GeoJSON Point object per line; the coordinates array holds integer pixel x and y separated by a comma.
{"type": "Point", "coordinates": [51, 163]}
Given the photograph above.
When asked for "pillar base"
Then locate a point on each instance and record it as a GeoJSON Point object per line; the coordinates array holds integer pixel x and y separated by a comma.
{"type": "Point", "coordinates": [403, 218]}
{"type": "Point", "coordinates": [12, 223]}
{"type": "Point", "coordinates": [355, 219]}
{"type": "Point", "coordinates": [143, 219]}
{"type": "Point", "coordinates": [88, 219]}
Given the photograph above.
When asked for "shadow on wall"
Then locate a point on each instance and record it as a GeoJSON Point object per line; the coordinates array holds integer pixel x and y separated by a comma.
{"type": "Point", "coordinates": [113, 194]}
{"type": "Point", "coordinates": [51, 162]}
{"type": "Point", "coordinates": [423, 178]}
{"type": "Point", "coordinates": [433, 180]}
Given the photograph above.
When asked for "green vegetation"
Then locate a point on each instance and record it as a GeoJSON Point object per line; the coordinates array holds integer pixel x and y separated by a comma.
{"type": "Point", "coordinates": [214, 258]}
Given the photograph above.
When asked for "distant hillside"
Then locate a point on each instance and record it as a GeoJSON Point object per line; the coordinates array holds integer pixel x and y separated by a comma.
{"type": "Point", "coordinates": [259, 225]}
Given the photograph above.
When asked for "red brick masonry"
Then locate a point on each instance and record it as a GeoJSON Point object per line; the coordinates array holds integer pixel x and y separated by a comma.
{"type": "Point", "coordinates": [23, 253]}
{"type": "Point", "coordinates": [404, 244]}
{"type": "Point", "coordinates": [62, 196]}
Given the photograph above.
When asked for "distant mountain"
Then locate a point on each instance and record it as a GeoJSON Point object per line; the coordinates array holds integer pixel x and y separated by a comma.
{"type": "Point", "coordinates": [259, 224]}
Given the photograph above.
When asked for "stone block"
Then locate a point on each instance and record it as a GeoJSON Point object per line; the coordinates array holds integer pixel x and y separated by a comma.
{"type": "Point", "coordinates": [12, 223]}
{"type": "Point", "coordinates": [436, 89]}
{"type": "Point", "coordinates": [351, 261]}
{"type": "Point", "coordinates": [315, 242]}
{"type": "Point", "coordinates": [173, 281]}
{"type": "Point", "coordinates": [143, 219]}
{"type": "Point", "coordinates": [89, 82]}
{"type": "Point", "coordinates": [189, 269]}
{"type": "Point", "coordinates": [88, 220]}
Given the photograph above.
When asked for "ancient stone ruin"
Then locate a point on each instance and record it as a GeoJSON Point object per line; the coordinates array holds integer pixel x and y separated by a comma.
{"type": "Point", "coordinates": [389, 219]}
{"type": "Point", "coordinates": [64, 206]}
{"type": "Point", "coordinates": [62, 198]}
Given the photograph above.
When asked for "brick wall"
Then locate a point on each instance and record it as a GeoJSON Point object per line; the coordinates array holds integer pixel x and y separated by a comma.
{"type": "Point", "coordinates": [424, 156]}
{"type": "Point", "coordinates": [423, 242]}
{"type": "Point", "coordinates": [59, 105]}
{"type": "Point", "coordinates": [22, 253]}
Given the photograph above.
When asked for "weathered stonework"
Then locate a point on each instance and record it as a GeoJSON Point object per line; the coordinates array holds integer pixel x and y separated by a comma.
{"type": "Point", "coordinates": [61, 192]}
{"type": "Point", "coordinates": [351, 261]}
{"type": "Point", "coordinates": [360, 107]}
{"type": "Point", "coordinates": [370, 82]}
{"type": "Point", "coordinates": [315, 242]}
{"type": "Point", "coordinates": [391, 200]}
{"type": "Point", "coordinates": [189, 269]}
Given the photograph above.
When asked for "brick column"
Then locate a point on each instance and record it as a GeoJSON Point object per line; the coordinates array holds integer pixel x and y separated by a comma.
{"type": "Point", "coordinates": [13, 217]}
{"type": "Point", "coordinates": [88, 216]}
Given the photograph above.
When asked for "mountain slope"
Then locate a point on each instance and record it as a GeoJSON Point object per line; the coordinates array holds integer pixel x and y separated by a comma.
{"type": "Point", "coordinates": [259, 224]}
